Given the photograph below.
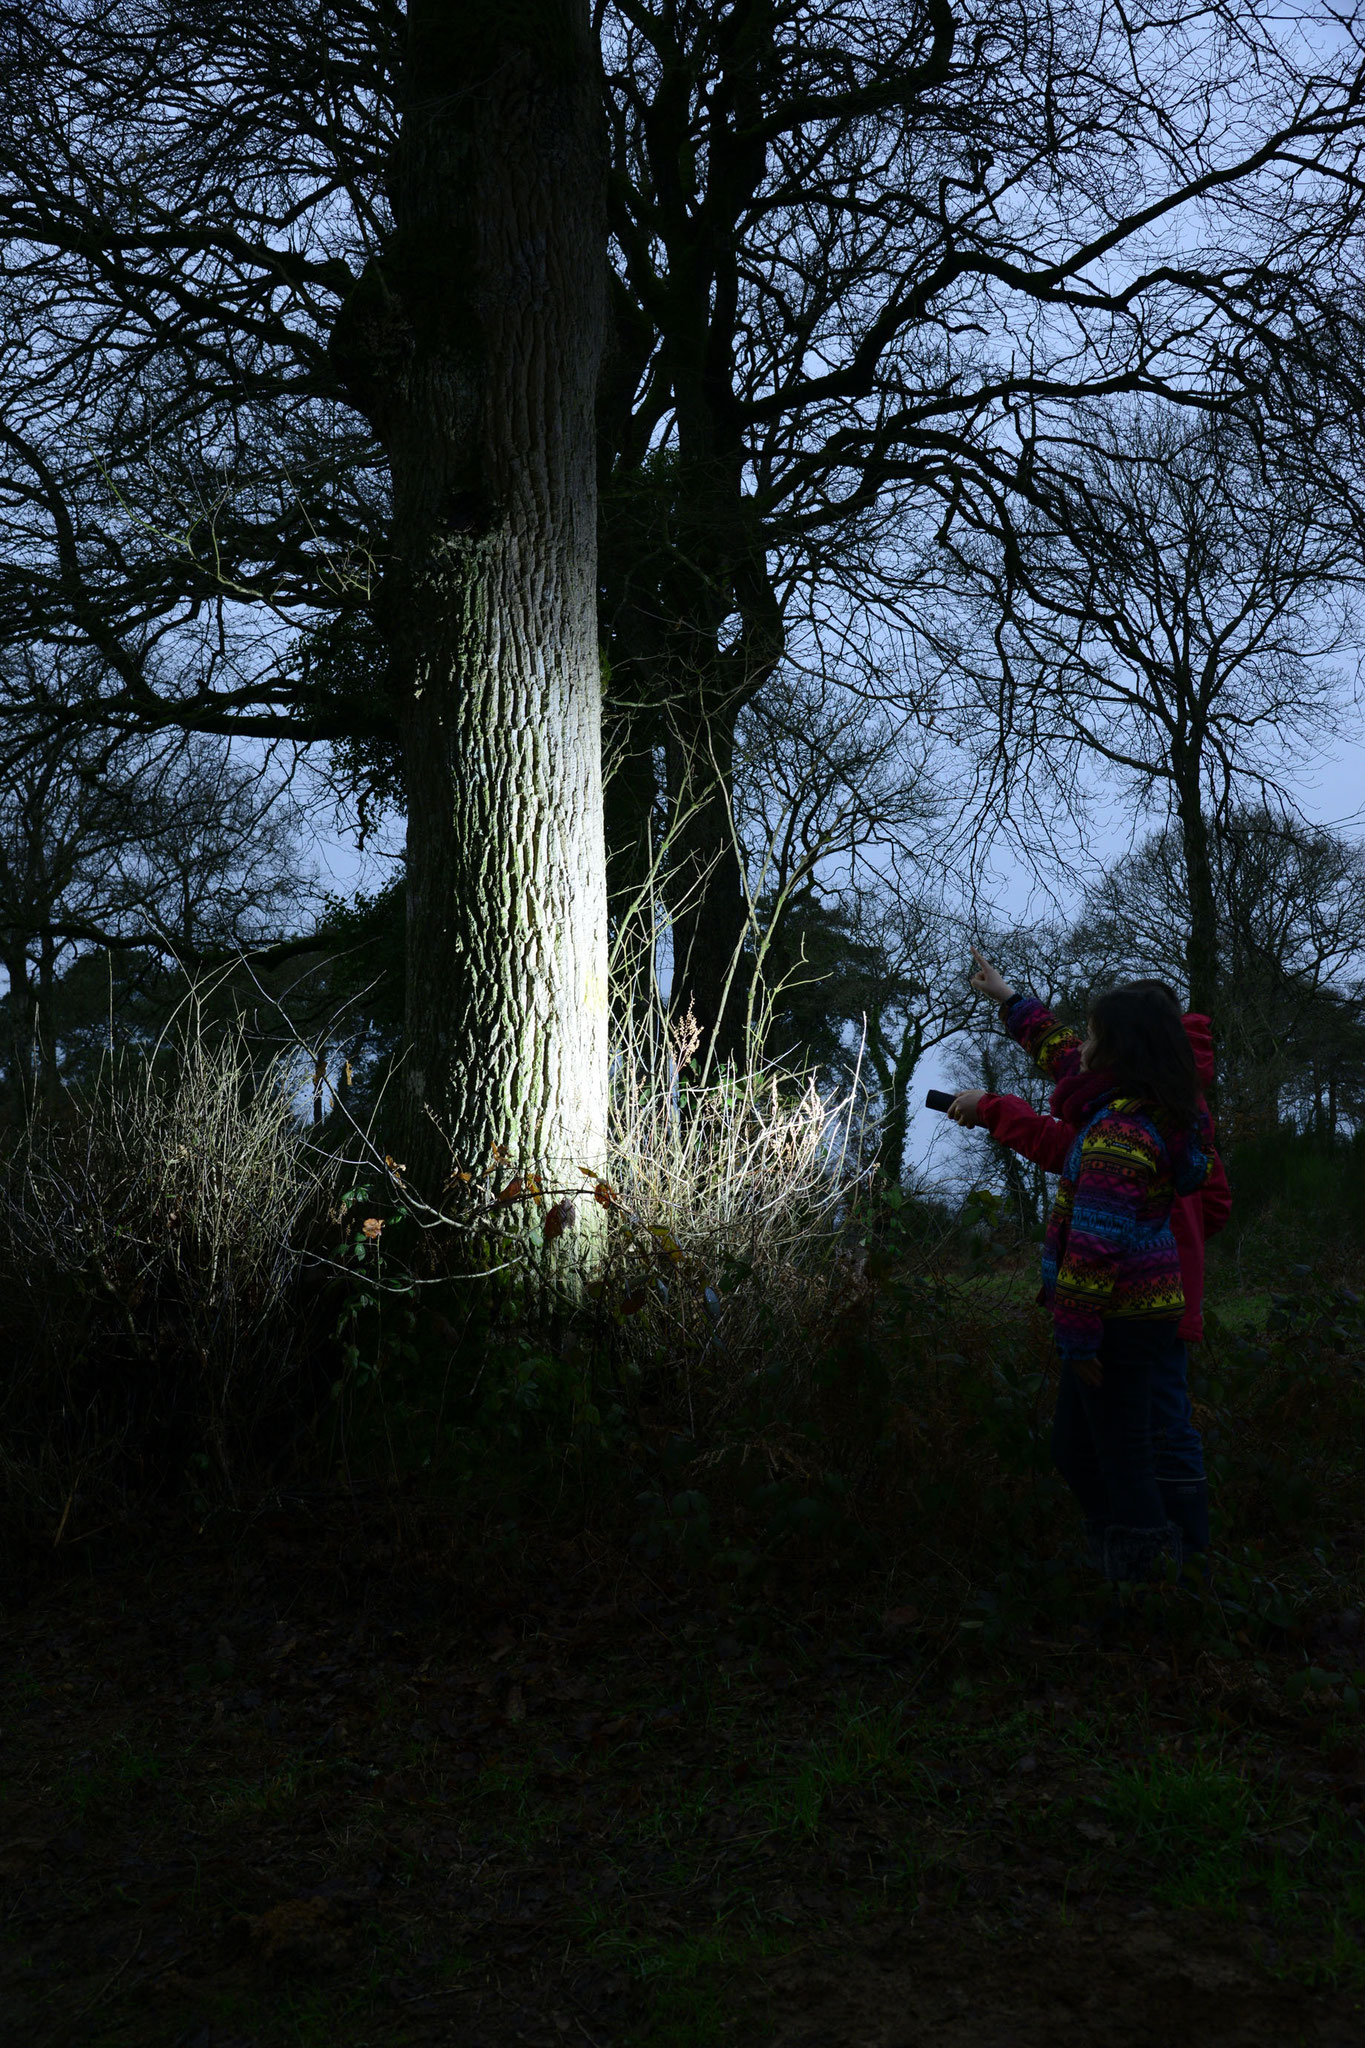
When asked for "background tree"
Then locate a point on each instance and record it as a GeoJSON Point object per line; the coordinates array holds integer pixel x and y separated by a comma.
{"type": "Point", "coordinates": [1290, 940]}
{"type": "Point", "coordinates": [848, 248]}
{"type": "Point", "coordinates": [864, 985]}
{"type": "Point", "coordinates": [120, 861]}
{"type": "Point", "coordinates": [852, 957]}
{"type": "Point", "coordinates": [60, 832]}
{"type": "Point", "coordinates": [1169, 605]}
{"type": "Point", "coordinates": [850, 245]}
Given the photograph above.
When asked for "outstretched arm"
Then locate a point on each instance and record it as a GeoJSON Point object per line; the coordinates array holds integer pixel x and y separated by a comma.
{"type": "Point", "coordinates": [1011, 1121]}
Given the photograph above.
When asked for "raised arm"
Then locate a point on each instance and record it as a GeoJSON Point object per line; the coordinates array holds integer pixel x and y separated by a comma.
{"type": "Point", "coordinates": [1054, 1048]}
{"type": "Point", "coordinates": [989, 980]}
{"type": "Point", "coordinates": [1011, 1121]}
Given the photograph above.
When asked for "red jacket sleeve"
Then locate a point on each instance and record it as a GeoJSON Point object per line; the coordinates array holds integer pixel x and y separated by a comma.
{"type": "Point", "coordinates": [1215, 1197]}
{"type": "Point", "coordinates": [1045, 1140]}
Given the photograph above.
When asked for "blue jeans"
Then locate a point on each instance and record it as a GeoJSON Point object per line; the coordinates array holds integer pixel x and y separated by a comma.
{"type": "Point", "coordinates": [1115, 1443]}
{"type": "Point", "coordinates": [1179, 1446]}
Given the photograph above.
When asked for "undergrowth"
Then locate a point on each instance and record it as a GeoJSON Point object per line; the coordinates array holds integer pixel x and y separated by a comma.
{"type": "Point", "coordinates": [757, 1366]}
{"type": "Point", "coordinates": [156, 1315]}
{"type": "Point", "coordinates": [601, 1643]}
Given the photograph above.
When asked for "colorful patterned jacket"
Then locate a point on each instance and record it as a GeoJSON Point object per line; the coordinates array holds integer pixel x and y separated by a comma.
{"type": "Point", "coordinates": [1109, 1250]}
{"type": "Point", "coordinates": [1047, 1141]}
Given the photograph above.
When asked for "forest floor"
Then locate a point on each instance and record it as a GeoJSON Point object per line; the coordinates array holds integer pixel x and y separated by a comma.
{"type": "Point", "coordinates": [322, 1785]}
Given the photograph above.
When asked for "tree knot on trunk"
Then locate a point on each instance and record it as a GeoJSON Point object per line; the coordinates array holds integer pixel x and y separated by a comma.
{"type": "Point", "coordinates": [372, 344]}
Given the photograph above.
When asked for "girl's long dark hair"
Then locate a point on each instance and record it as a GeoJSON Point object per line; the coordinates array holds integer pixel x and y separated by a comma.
{"type": "Point", "coordinates": [1140, 1040]}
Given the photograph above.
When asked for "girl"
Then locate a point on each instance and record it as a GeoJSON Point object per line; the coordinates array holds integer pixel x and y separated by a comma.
{"type": "Point", "coordinates": [1047, 1140]}
{"type": "Point", "coordinates": [1111, 1269]}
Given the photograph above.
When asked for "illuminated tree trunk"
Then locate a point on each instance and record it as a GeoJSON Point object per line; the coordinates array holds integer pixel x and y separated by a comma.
{"type": "Point", "coordinates": [473, 345]}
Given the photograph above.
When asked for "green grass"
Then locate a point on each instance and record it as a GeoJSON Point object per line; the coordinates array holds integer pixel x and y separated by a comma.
{"type": "Point", "coordinates": [1236, 1307]}
{"type": "Point", "coordinates": [237, 1799]}
{"type": "Point", "coordinates": [1014, 1283]}
{"type": "Point", "coordinates": [1195, 1820]}
{"type": "Point", "coordinates": [108, 1786]}
{"type": "Point", "coordinates": [966, 1729]}
{"type": "Point", "coordinates": [685, 1980]}
{"type": "Point", "coordinates": [1341, 1965]}
{"type": "Point", "coordinates": [1212, 1838]}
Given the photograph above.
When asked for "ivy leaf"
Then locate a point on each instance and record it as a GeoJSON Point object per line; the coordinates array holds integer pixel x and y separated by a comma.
{"type": "Point", "coordinates": [668, 1245]}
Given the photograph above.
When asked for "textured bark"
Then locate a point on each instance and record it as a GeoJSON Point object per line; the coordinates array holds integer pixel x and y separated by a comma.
{"type": "Point", "coordinates": [473, 344]}
{"type": "Point", "coordinates": [1201, 942]}
{"type": "Point", "coordinates": [22, 1029]}
{"type": "Point", "coordinates": [894, 1065]}
{"type": "Point", "coordinates": [706, 886]}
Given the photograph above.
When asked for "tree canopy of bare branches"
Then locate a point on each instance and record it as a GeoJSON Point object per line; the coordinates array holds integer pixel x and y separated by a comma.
{"type": "Point", "coordinates": [854, 255]}
{"type": "Point", "coordinates": [860, 252]}
{"type": "Point", "coordinates": [1176, 606]}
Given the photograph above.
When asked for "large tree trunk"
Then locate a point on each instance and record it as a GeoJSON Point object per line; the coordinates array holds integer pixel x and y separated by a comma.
{"type": "Point", "coordinates": [473, 344]}
{"type": "Point", "coordinates": [895, 1071]}
{"type": "Point", "coordinates": [709, 909]}
{"type": "Point", "coordinates": [630, 802]}
{"type": "Point", "coordinates": [1201, 940]}
{"type": "Point", "coordinates": [22, 1030]}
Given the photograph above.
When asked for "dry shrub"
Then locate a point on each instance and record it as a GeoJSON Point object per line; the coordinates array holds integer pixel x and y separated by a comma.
{"type": "Point", "coordinates": [153, 1300]}
{"type": "Point", "coordinates": [817, 1383]}
{"type": "Point", "coordinates": [731, 1253]}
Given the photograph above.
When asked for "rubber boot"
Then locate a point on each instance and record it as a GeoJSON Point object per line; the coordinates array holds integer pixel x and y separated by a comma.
{"type": "Point", "coordinates": [1186, 1502]}
{"type": "Point", "coordinates": [1139, 1553]}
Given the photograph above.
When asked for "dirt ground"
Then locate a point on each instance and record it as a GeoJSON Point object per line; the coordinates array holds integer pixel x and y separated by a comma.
{"type": "Point", "coordinates": [320, 1786]}
{"type": "Point", "coordinates": [1136, 1980]}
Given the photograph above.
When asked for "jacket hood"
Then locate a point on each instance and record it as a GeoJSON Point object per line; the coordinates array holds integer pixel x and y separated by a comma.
{"type": "Point", "coordinates": [1200, 1034]}
{"type": "Point", "coordinates": [1077, 1095]}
